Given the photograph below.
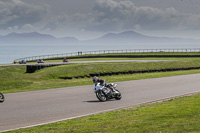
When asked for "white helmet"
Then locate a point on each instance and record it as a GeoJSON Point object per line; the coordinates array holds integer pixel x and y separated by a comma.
{"type": "Point", "coordinates": [95, 79]}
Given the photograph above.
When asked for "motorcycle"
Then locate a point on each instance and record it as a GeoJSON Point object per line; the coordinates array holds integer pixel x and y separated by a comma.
{"type": "Point", "coordinates": [2, 97]}
{"type": "Point", "coordinates": [107, 91]}
{"type": "Point", "coordinates": [40, 61]}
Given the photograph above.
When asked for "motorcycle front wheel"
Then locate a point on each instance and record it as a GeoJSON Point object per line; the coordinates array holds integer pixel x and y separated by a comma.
{"type": "Point", "coordinates": [2, 97]}
{"type": "Point", "coordinates": [118, 95]}
{"type": "Point", "coordinates": [101, 96]}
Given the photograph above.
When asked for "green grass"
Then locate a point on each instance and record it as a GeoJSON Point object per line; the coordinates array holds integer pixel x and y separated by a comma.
{"type": "Point", "coordinates": [180, 115]}
{"type": "Point", "coordinates": [14, 79]}
{"type": "Point", "coordinates": [86, 69]}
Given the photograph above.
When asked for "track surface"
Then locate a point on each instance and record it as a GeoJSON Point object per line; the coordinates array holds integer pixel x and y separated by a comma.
{"type": "Point", "coordinates": [76, 62]}
{"type": "Point", "coordinates": [46, 106]}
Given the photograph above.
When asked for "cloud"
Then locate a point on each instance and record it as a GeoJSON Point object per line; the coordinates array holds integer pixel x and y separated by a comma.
{"type": "Point", "coordinates": [68, 22]}
{"type": "Point", "coordinates": [27, 27]}
{"type": "Point", "coordinates": [114, 15]}
{"type": "Point", "coordinates": [105, 16]}
{"type": "Point", "coordinates": [17, 12]}
{"type": "Point", "coordinates": [14, 28]}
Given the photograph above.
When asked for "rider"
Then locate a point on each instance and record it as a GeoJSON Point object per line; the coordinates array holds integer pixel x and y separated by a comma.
{"type": "Point", "coordinates": [102, 82]}
{"type": "Point", "coordinates": [97, 80]}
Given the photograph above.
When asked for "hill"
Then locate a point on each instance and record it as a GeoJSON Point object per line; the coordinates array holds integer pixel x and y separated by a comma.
{"type": "Point", "coordinates": [35, 38]}
{"type": "Point", "coordinates": [131, 37]}
{"type": "Point", "coordinates": [127, 37]}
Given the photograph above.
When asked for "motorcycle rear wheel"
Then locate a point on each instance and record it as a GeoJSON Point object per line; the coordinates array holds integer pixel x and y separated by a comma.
{"type": "Point", "coordinates": [2, 97]}
{"type": "Point", "coordinates": [101, 96]}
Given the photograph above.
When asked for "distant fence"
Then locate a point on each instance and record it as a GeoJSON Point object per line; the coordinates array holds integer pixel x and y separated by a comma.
{"type": "Point", "coordinates": [105, 52]}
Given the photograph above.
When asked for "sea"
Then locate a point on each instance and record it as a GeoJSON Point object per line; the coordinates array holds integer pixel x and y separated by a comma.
{"type": "Point", "coordinates": [9, 53]}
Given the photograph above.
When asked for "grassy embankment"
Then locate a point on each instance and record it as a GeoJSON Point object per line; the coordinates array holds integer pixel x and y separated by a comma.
{"type": "Point", "coordinates": [14, 78]}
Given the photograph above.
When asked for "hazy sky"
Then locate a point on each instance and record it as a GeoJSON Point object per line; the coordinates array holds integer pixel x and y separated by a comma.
{"type": "Point", "coordinates": [86, 19]}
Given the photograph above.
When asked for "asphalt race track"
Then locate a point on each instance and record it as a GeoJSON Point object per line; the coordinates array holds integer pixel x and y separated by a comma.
{"type": "Point", "coordinates": [39, 107]}
{"type": "Point", "coordinates": [78, 62]}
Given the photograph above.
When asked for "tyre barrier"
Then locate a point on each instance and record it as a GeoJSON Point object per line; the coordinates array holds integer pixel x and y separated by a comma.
{"type": "Point", "coordinates": [33, 68]}
{"type": "Point", "coordinates": [130, 72]}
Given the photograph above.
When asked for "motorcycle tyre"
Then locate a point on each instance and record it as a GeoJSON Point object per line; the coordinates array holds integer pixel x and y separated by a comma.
{"type": "Point", "coordinates": [98, 95]}
{"type": "Point", "coordinates": [119, 96]}
{"type": "Point", "coordinates": [2, 98]}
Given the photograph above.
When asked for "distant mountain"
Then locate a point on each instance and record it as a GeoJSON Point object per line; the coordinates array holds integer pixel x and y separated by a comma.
{"type": "Point", "coordinates": [131, 37]}
{"type": "Point", "coordinates": [124, 35]}
{"type": "Point", "coordinates": [123, 38]}
{"type": "Point", "coordinates": [35, 38]}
